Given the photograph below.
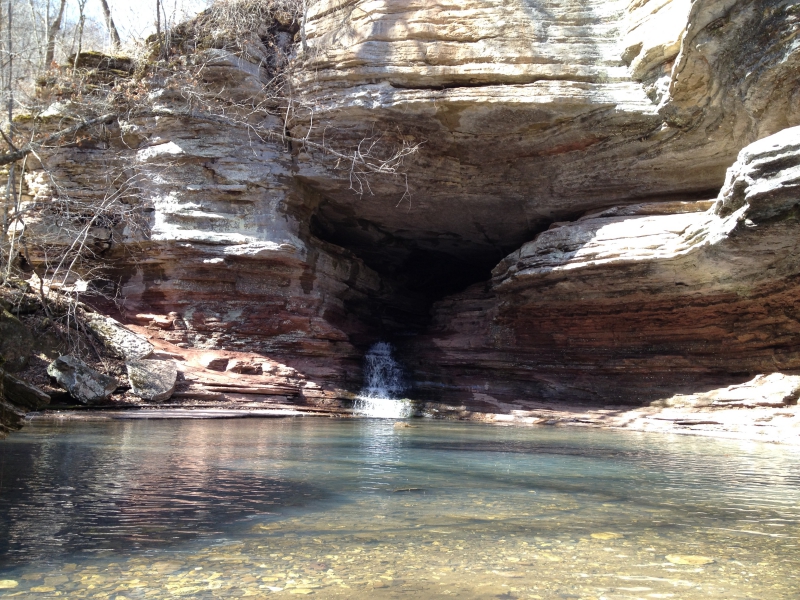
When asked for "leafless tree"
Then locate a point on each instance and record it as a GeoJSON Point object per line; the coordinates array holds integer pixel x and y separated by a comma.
{"type": "Point", "coordinates": [11, 198]}
{"type": "Point", "coordinates": [79, 33]}
{"type": "Point", "coordinates": [116, 42]}
{"type": "Point", "coordinates": [53, 28]}
{"type": "Point", "coordinates": [65, 252]}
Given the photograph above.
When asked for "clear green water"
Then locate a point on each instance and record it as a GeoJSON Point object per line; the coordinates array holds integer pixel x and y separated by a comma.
{"type": "Point", "coordinates": [360, 509]}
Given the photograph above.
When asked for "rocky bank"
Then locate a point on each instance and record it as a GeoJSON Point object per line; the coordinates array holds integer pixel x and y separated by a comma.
{"type": "Point", "coordinates": [603, 208]}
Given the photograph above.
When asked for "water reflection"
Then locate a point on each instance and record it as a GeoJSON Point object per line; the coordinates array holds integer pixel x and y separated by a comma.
{"type": "Point", "coordinates": [126, 486]}
{"type": "Point", "coordinates": [220, 509]}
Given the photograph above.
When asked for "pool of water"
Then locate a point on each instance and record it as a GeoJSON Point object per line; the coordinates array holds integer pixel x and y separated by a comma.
{"type": "Point", "coordinates": [364, 509]}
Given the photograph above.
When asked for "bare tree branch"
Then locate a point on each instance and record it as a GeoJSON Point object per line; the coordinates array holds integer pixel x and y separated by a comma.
{"type": "Point", "coordinates": [12, 157]}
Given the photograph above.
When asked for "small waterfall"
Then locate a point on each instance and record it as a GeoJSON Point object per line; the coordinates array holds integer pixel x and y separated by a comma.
{"type": "Point", "coordinates": [381, 396]}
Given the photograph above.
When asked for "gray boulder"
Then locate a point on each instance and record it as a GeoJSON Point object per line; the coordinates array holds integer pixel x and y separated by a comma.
{"type": "Point", "coordinates": [21, 393]}
{"type": "Point", "coordinates": [11, 417]}
{"type": "Point", "coordinates": [80, 380]}
{"type": "Point", "coordinates": [152, 379]}
{"type": "Point", "coordinates": [16, 398]}
{"type": "Point", "coordinates": [117, 338]}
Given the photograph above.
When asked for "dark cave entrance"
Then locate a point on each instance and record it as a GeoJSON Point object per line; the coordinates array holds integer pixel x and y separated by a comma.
{"type": "Point", "coordinates": [415, 267]}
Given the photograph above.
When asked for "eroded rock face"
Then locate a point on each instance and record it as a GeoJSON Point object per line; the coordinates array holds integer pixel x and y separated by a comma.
{"type": "Point", "coordinates": [571, 153]}
{"type": "Point", "coordinates": [534, 111]}
{"type": "Point", "coordinates": [631, 303]}
{"type": "Point", "coordinates": [224, 260]}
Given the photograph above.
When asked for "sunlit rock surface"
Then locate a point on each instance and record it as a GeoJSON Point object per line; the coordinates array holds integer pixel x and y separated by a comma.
{"type": "Point", "coordinates": [82, 382]}
{"type": "Point", "coordinates": [559, 235]}
{"type": "Point", "coordinates": [534, 111]}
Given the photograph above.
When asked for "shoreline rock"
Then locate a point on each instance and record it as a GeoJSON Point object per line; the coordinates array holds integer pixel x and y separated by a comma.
{"type": "Point", "coordinates": [117, 338]}
{"type": "Point", "coordinates": [152, 380]}
{"type": "Point", "coordinates": [83, 383]}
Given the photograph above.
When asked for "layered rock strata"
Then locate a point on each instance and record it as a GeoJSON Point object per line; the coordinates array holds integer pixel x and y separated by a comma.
{"type": "Point", "coordinates": [216, 254]}
{"type": "Point", "coordinates": [584, 141]}
{"type": "Point", "coordinates": [531, 112]}
{"type": "Point", "coordinates": [635, 303]}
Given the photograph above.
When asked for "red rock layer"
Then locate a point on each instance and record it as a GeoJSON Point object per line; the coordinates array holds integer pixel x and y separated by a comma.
{"type": "Point", "coordinates": [634, 304]}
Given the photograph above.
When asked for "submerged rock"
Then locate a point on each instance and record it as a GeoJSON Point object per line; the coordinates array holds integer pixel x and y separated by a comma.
{"type": "Point", "coordinates": [152, 379]}
{"type": "Point", "coordinates": [607, 535]}
{"type": "Point", "coordinates": [688, 559]}
{"type": "Point", "coordinates": [84, 383]}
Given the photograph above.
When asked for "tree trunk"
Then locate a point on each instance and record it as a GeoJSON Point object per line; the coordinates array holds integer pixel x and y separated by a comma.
{"type": "Point", "coordinates": [303, 30]}
{"type": "Point", "coordinates": [6, 253]}
{"type": "Point", "coordinates": [112, 29]}
{"type": "Point", "coordinates": [52, 31]}
{"type": "Point", "coordinates": [81, 23]}
{"type": "Point", "coordinates": [37, 37]}
{"type": "Point", "coordinates": [9, 49]}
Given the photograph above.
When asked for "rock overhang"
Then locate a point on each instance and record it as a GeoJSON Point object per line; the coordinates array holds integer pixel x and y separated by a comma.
{"type": "Point", "coordinates": [552, 111]}
{"type": "Point", "coordinates": [273, 251]}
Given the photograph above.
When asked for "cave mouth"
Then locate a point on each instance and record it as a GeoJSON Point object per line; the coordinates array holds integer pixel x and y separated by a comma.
{"type": "Point", "coordinates": [415, 266]}
{"type": "Point", "coordinates": [431, 258]}
{"type": "Point", "coordinates": [436, 275]}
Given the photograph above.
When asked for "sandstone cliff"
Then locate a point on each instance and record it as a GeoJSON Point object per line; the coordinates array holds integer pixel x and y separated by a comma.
{"type": "Point", "coordinates": [559, 235]}
{"type": "Point", "coordinates": [635, 303]}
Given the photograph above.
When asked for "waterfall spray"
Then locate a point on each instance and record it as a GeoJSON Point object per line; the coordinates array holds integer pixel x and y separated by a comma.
{"type": "Point", "coordinates": [383, 386]}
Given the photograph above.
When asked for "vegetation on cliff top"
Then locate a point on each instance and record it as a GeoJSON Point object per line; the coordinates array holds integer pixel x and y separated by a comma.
{"type": "Point", "coordinates": [58, 241]}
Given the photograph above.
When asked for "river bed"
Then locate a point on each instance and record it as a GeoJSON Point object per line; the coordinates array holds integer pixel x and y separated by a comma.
{"type": "Point", "coordinates": [365, 509]}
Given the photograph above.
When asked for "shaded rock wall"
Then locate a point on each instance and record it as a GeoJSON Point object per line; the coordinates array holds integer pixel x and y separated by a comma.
{"type": "Point", "coordinates": [635, 303]}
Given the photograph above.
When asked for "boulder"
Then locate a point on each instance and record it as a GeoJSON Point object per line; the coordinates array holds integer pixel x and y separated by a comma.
{"type": "Point", "coordinates": [19, 303]}
{"type": "Point", "coordinates": [84, 383]}
{"type": "Point", "coordinates": [16, 342]}
{"type": "Point", "coordinates": [245, 367]}
{"type": "Point", "coordinates": [11, 417]}
{"type": "Point", "coordinates": [21, 393]}
{"type": "Point", "coordinates": [117, 338]}
{"type": "Point", "coordinates": [152, 379]}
